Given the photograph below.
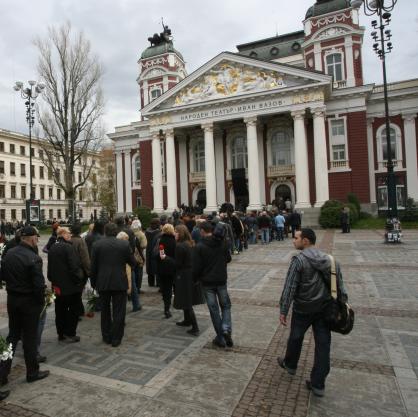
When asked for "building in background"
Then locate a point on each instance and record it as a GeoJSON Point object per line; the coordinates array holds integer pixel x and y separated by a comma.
{"type": "Point", "coordinates": [14, 182]}
{"type": "Point", "coordinates": [288, 117]}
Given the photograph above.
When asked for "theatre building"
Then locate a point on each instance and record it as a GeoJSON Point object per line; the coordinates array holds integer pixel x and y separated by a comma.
{"type": "Point", "coordinates": [283, 117]}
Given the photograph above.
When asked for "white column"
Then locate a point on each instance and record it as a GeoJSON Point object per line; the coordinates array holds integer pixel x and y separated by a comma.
{"type": "Point", "coordinates": [411, 155]}
{"type": "Point", "coordinates": [119, 181]}
{"type": "Point", "coordinates": [370, 155]}
{"type": "Point", "coordinates": [261, 163]}
{"type": "Point", "coordinates": [318, 56]}
{"type": "Point", "coordinates": [301, 160]}
{"type": "Point", "coordinates": [253, 165]}
{"type": "Point", "coordinates": [211, 201]}
{"type": "Point", "coordinates": [157, 175]}
{"type": "Point", "coordinates": [320, 154]}
{"type": "Point", "coordinates": [349, 61]}
{"type": "Point", "coordinates": [128, 181]}
{"type": "Point", "coordinates": [184, 180]}
{"type": "Point", "coordinates": [220, 170]}
{"type": "Point", "coordinates": [171, 171]}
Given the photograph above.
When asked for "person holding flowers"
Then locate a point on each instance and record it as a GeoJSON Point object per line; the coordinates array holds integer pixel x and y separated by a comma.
{"type": "Point", "coordinates": [25, 284]}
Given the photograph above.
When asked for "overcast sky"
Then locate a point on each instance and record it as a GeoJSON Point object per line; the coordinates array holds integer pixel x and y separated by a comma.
{"type": "Point", "coordinates": [118, 31]}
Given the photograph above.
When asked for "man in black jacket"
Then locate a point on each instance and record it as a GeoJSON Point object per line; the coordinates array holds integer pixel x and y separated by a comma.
{"type": "Point", "coordinates": [25, 285]}
{"type": "Point", "coordinates": [210, 268]}
{"type": "Point", "coordinates": [108, 276]}
{"type": "Point", "coordinates": [66, 276]}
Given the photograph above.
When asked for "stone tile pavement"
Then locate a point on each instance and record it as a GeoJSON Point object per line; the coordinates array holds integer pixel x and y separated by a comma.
{"type": "Point", "coordinates": [160, 371]}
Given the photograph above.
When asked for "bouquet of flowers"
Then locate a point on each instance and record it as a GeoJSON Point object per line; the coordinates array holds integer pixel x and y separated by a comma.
{"type": "Point", "coordinates": [49, 298]}
{"type": "Point", "coordinates": [6, 350]}
{"type": "Point", "coordinates": [91, 303]}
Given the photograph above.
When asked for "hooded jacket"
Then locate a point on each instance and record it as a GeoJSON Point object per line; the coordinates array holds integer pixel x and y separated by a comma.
{"type": "Point", "coordinates": [209, 262]}
{"type": "Point", "coordinates": [308, 282]}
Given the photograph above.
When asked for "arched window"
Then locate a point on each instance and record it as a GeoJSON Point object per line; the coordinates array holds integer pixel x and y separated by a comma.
{"type": "Point", "coordinates": [199, 155]}
{"type": "Point", "coordinates": [383, 143]}
{"type": "Point", "coordinates": [281, 148]}
{"type": "Point", "coordinates": [334, 66]}
{"type": "Point", "coordinates": [239, 152]}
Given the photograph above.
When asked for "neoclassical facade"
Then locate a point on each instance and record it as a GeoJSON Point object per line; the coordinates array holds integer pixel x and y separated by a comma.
{"type": "Point", "coordinates": [284, 117]}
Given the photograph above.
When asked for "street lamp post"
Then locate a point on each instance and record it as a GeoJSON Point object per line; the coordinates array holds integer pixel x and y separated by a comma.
{"type": "Point", "coordinates": [30, 94]}
{"type": "Point", "coordinates": [383, 46]}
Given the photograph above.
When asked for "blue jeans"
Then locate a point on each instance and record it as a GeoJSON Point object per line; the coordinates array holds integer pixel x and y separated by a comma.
{"type": "Point", "coordinates": [280, 233]}
{"type": "Point", "coordinates": [221, 324]}
{"type": "Point", "coordinates": [253, 236]}
{"type": "Point", "coordinates": [322, 335]}
{"type": "Point", "coordinates": [136, 305]}
{"type": "Point", "coordinates": [265, 235]}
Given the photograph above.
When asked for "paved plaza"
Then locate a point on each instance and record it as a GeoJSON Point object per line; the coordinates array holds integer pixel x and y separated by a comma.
{"type": "Point", "coordinates": [160, 371]}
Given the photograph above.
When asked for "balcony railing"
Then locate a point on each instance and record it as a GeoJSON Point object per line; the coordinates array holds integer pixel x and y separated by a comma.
{"type": "Point", "coordinates": [384, 164]}
{"type": "Point", "coordinates": [340, 84]}
{"type": "Point", "coordinates": [280, 170]}
{"type": "Point", "coordinates": [340, 164]}
{"type": "Point", "coordinates": [199, 176]}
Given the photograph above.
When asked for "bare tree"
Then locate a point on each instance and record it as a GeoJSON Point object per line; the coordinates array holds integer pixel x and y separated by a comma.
{"type": "Point", "coordinates": [71, 114]}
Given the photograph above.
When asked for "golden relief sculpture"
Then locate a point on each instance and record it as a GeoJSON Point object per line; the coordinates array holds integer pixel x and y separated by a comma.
{"type": "Point", "coordinates": [226, 79]}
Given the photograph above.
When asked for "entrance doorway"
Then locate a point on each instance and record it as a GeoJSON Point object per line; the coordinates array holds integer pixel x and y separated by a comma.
{"type": "Point", "coordinates": [282, 194]}
{"type": "Point", "coordinates": [201, 199]}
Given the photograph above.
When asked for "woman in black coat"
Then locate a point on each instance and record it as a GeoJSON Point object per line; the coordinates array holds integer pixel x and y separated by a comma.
{"type": "Point", "coordinates": [166, 270]}
{"type": "Point", "coordinates": [187, 293]}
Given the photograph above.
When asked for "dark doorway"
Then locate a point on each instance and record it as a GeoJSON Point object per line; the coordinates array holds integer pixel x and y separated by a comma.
{"type": "Point", "coordinates": [201, 199]}
{"type": "Point", "coordinates": [282, 194]}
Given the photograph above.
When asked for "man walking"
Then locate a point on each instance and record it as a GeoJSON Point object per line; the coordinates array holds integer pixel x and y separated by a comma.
{"type": "Point", "coordinates": [25, 284]}
{"type": "Point", "coordinates": [308, 283]}
{"type": "Point", "coordinates": [108, 277]}
{"type": "Point", "coordinates": [280, 221]}
{"type": "Point", "coordinates": [210, 268]}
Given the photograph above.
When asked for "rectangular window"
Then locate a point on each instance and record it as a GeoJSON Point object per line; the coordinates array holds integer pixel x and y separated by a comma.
{"type": "Point", "coordinates": [50, 193]}
{"type": "Point", "coordinates": [79, 177]}
{"type": "Point", "coordinates": [1, 167]}
{"type": "Point", "coordinates": [80, 194]}
{"type": "Point", "coordinates": [334, 66]}
{"type": "Point", "coordinates": [13, 214]}
{"type": "Point", "coordinates": [12, 169]}
{"type": "Point", "coordinates": [59, 214]}
{"type": "Point", "coordinates": [1, 146]}
{"type": "Point", "coordinates": [42, 190]}
{"type": "Point", "coordinates": [338, 152]}
{"type": "Point", "coordinates": [22, 170]}
{"type": "Point", "coordinates": [337, 127]}
{"type": "Point", "coordinates": [41, 153]}
{"type": "Point", "coordinates": [22, 150]}
{"type": "Point", "coordinates": [23, 191]}
{"type": "Point", "coordinates": [33, 192]}
{"type": "Point", "coordinates": [13, 191]}
{"type": "Point", "coordinates": [41, 173]}
{"type": "Point", "coordinates": [338, 144]}
{"type": "Point", "coordinates": [58, 195]}
{"type": "Point", "coordinates": [12, 148]}
{"type": "Point", "coordinates": [51, 214]}
{"type": "Point", "coordinates": [32, 168]}
{"type": "Point", "coordinates": [57, 174]}
{"type": "Point", "coordinates": [49, 174]}
{"type": "Point", "coordinates": [23, 214]}
{"type": "Point", "coordinates": [32, 151]}
{"type": "Point", "coordinates": [2, 214]}
{"type": "Point", "coordinates": [2, 191]}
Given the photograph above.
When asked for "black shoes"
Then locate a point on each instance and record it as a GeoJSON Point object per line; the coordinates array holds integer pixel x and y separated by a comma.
{"type": "Point", "coordinates": [183, 323]}
{"type": "Point", "coordinates": [71, 339]}
{"type": "Point", "coordinates": [116, 343]}
{"type": "Point", "coordinates": [4, 395]}
{"type": "Point", "coordinates": [167, 314]}
{"type": "Point", "coordinates": [281, 363]}
{"type": "Point", "coordinates": [228, 339]}
{"type": "Point", "coordinates": [40, 358]}
{"type": "Point", "coordinates": [107, 341]}
{"type": "Point", "coordinates": [217, 343]}
{"type": "Point", "coordinates": [315, 391]}
{"type": "Point", "coordinates": [193, 332]}
{"type": "Point", "coordinates": [40, 375]}
{"type": "Point", "coordinates": [4, 381]}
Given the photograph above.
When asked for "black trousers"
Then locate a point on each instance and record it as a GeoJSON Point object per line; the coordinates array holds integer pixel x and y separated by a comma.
{"type": "Point", "coordinates": [24, 314]}
{"type": "Point", "coordinates": [67, 309]}
{"type": "Point", "coordinates": [113, 315]}
{"type": "Point", "coordinates": [166, 285]}
{"type": "Point", "coordinates": [190, 317]}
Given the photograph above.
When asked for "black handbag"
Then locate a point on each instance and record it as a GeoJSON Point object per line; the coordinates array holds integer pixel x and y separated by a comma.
{"type": "Point", "coordinates": [338, 315]}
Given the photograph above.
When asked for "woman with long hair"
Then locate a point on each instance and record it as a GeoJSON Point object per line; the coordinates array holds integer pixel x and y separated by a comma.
{"type": "Point", "coordinates": [187, 293]}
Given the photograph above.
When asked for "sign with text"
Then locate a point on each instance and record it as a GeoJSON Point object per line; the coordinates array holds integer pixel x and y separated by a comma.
{"type": "Point", "coordinates": [33, 211]}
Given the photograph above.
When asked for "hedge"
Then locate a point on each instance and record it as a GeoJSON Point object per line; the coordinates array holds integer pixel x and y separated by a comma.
{"type": "Point", "coordinates": [144, 214]}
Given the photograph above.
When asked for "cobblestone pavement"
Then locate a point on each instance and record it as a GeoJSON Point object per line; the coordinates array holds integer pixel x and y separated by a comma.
{"type": "Point", "coordinates": [160, 371]}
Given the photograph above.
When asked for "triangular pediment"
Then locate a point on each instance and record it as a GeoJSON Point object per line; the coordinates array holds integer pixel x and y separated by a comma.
{"type": "Point", "coordinates": [231, 76]}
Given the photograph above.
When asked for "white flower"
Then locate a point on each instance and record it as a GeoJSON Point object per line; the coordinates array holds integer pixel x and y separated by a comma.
{"type": "Point", "coordinates": [7, 354]}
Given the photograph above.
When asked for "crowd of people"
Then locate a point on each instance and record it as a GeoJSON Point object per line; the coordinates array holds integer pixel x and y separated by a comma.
{"type": "Point", "coordinates": [185, 255]}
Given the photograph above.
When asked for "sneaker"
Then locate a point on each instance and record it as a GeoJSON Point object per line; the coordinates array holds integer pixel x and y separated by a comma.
{"type": "Point", "coordinates": [315, 391]}
{"type": "Point", "coordinates": [281, 363]}
{"type": "Point", "coordinates": [217, 343]}
{"type": "Point", "coordinates": [228, 339]}
{"type": "Point", "coordinates": [37, 377]}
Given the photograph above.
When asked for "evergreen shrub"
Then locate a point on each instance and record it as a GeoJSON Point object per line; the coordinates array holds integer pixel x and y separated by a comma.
{"type": "Point", "coordinates": [144, 214]}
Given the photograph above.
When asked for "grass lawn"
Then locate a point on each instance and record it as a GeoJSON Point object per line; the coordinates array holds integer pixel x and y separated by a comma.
{"type": "Point", "coordinates": [379, 223]}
